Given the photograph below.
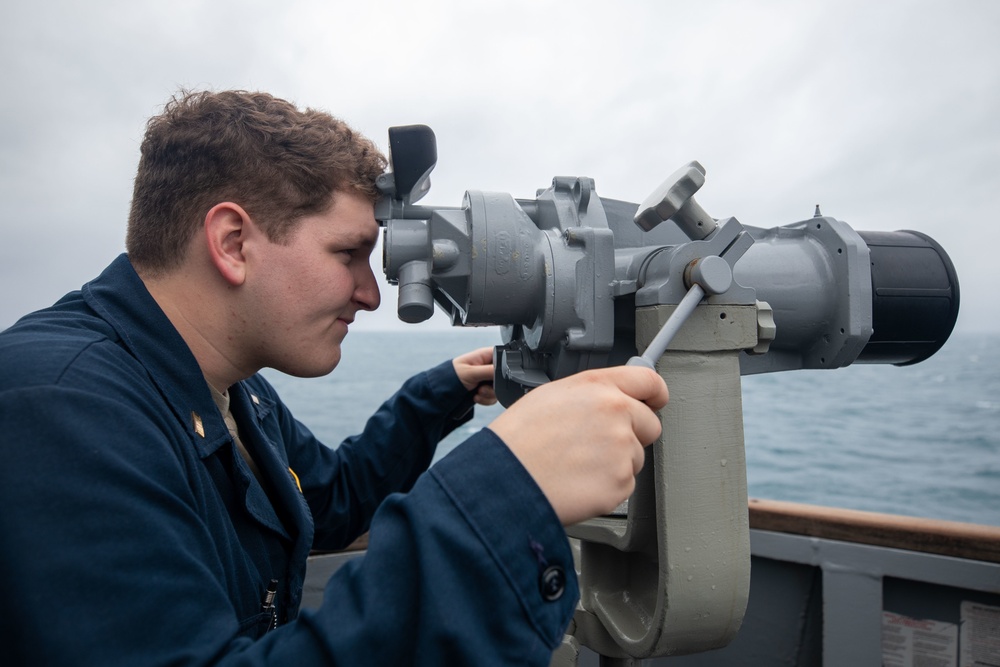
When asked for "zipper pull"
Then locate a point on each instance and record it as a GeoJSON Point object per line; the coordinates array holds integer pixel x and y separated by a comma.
{"type": "Point", "coordinates": [268, 603]}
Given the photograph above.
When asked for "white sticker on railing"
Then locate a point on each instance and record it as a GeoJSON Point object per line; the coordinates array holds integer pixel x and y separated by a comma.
{"type": "Point", "coordinates": [907, 642]}
{"type": "Point", "coordinates": [980, 635]}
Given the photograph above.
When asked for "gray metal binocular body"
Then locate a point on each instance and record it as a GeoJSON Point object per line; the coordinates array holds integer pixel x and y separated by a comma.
{"type": "Point", "coordinates": [577, 281]}
{"type": "Point", "coordinates": [563, 274]}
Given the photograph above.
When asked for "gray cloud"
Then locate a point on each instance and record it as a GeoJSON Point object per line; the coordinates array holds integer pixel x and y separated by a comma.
{"type": "Point", "coordinates": [883, 113]}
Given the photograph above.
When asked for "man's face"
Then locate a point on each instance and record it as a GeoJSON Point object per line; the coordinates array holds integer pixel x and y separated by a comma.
{"type": "Point", "coordinates": [301, 295]}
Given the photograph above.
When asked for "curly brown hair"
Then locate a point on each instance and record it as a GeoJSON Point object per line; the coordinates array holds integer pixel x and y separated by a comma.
{"type": "Point", "coordinates": [256, 150]}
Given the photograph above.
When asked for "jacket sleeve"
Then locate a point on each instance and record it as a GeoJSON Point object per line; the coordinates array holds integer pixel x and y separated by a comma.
{"type": "Point", "coordinates": [472, 567]}
{"type": "Point", "coordinates": [345, 485]}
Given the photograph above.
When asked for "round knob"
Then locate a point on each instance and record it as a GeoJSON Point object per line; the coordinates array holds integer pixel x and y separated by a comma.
{"type": "Point", "coordinates": [416, 302]}
{"type": "Point", "coordinates": [712, 273]}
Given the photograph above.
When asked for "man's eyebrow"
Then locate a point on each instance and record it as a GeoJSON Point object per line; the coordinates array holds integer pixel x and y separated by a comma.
{"type": "Point", "coordinates": [361, 237]}
{"type": "Point", "coordinates": [370, 238]}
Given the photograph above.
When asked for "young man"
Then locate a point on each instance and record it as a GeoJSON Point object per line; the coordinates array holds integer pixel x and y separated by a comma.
{"type": "Point", "coordinates": [159, 500]}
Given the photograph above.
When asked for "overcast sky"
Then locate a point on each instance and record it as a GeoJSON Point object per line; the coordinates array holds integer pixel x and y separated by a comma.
{"type": "Point", "coordinates": [885, 113]}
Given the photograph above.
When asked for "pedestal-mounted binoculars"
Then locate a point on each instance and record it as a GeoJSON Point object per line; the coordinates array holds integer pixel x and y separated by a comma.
{"type": "Point", "coordinates": [579, 281]}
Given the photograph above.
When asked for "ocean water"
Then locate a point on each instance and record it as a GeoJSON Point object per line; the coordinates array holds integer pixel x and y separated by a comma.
{"type": "Point", "coordinates": [921, 440]}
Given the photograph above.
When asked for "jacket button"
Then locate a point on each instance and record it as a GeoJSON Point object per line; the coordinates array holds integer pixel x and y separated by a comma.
{"type": "Point", "coordinates": [552, 583]}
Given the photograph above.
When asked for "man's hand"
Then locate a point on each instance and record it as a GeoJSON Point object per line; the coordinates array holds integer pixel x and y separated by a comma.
{"type": "Point", "coordinates": [582, 438]}
{"type": "Point", "coordinates": [475, 371]}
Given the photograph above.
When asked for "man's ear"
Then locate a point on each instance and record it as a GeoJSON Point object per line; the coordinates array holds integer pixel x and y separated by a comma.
{"type": "Point", "coordinates": [227, 227]}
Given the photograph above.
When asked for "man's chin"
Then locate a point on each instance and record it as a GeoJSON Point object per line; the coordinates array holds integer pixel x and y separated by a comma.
{"type": "Point", "coordinates": [316, 369]}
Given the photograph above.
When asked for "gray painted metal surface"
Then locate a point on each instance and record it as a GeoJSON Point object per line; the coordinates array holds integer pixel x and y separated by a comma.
{"type": "Point", "coordinates": [672, 576]}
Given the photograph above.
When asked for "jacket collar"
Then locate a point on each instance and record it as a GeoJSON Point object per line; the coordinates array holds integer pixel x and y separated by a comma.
{"type": "Point", "coordinates": [120, 297]}
{"type": "Point", "coordinates": [122, 300]}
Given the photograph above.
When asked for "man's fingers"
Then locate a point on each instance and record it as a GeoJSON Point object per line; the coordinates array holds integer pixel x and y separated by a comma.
{"type": "Point", "coordinates": [474, 368]}
{"type": "Point", "coordinates": [482, 356]}
{"type": "Point", "coordinates": [638, 458]}
{"type": "Point", "coordinates": [485, 394]}
{"type": "Point", "coordinates": [640, 383]}
{"type": "Point", "coordinates": [645, 424]}
{"type": "Point", "coordinates": [476, 375]}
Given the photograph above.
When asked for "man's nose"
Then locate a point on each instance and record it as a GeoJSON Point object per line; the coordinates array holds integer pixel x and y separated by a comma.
{"type": "Point", "coordinates": [367, 293]}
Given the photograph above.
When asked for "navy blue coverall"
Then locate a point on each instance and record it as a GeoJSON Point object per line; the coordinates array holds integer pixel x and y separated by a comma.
{"type": "Point", "coordinates": [132, 533]}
